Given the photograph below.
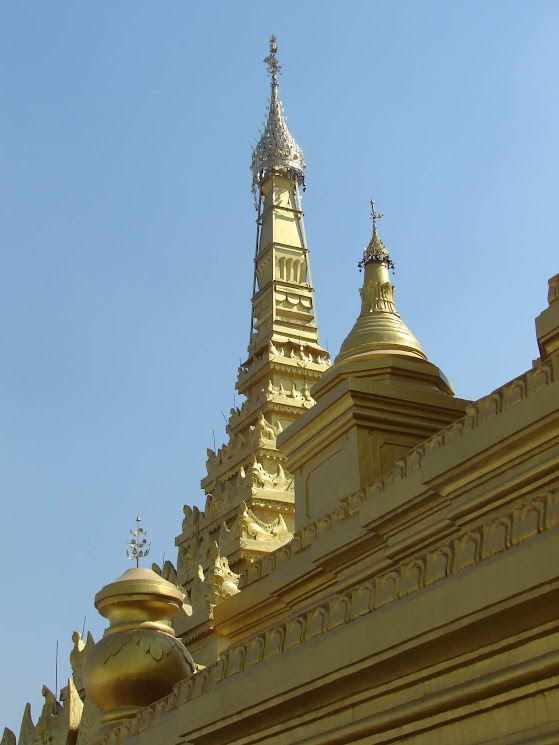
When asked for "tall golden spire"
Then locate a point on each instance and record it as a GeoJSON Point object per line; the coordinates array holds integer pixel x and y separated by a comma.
{"type": "Point", "coordinates": [250, 497]}
{"type": "Point", "coordinates": [379, 329]}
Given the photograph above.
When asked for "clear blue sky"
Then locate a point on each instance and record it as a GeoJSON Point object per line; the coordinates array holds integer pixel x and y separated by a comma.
{"type": "Point", "coordinates": [127, 236]}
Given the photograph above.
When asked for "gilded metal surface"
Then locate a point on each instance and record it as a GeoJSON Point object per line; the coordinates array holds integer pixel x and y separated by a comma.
{"type": "Point", "coordinates": [277, 147]}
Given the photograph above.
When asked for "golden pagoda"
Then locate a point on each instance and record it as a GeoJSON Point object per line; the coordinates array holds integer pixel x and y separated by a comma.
{"type": "Point", "coordinates": [250, 508]}
{"type": "Point", "coordinates": [377, 561]}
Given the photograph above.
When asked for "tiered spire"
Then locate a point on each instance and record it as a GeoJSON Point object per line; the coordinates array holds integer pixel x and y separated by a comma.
{"type": "Point", "coordinates": [379, 329]}
{"type": "Point", "coordinates": [250, 497]}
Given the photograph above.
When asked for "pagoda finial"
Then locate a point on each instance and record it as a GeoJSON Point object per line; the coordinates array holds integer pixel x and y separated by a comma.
{"type": "Point", "coordinates": [137, 544]}
{"type": "Point", "coordinates": [375, 215]}
{"type": "Point", "coordinates": [277, 148]}
{"type": "Point", "coordinates": [376, 250]}
{"type": "Point", "coordinates": [274, 68]}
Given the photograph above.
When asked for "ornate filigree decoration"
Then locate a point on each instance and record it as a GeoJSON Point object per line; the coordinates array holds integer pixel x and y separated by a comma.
{"type": "Point", "coordinates": [154, 643]}
{"type": "Point", "coordinates": [376, 250]}
{"type": "Point", "coordinates": [277, 147]}
{"type": "Point", "coordinates": [265, 433]}
{"type": "Point", "coordinates": [216, 583]}
{"type": "Point", "coordinates": [138, 543]}
{"type": "Point", "coordinates": [377, 297]}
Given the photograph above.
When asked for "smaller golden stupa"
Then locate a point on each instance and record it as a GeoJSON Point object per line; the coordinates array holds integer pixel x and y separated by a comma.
{"type": "Point", "coordinates": [138, 660]}
{"type": "Point", "coordinates": [379, 330]}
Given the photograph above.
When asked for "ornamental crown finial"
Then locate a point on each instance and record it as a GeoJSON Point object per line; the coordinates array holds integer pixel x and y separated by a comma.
{"type": "Point", "coordinates": [375, 215]}
{"type": "Point", "coordinates": [274, 68]}
{"type": "Point", "coordinates": [276, 147]}
{"type": "Point", "coordinates": [376, 250]}
{"type": "Point", "coordinates": [137, 543]}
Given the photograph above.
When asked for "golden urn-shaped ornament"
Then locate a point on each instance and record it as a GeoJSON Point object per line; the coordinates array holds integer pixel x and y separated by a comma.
{"type": "Point", "coordinates": [138, 660]}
